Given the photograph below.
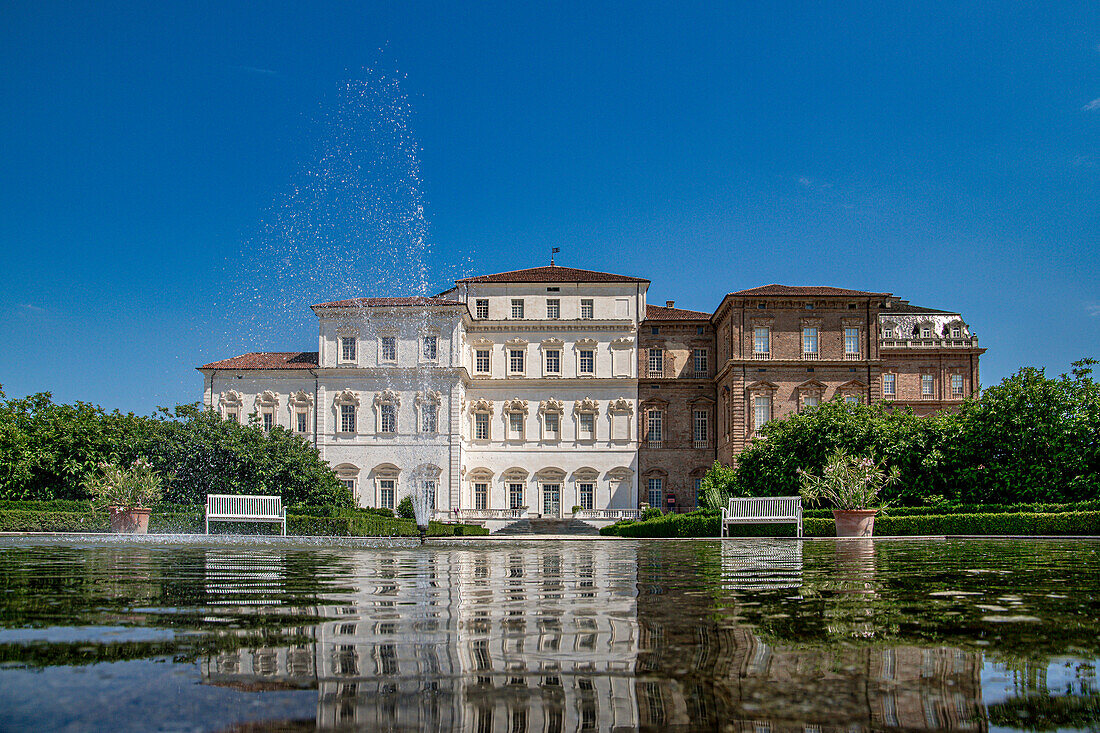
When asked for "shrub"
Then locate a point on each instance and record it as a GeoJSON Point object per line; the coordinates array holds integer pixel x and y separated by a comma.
{"type": "Point", "coordinates": [126, 487]}
{"type": "Point", "coordinates": [14, 520]}
{"type": "Point", "coordinates": [405, 508]}
{"type": "Point", "coordinates": [847, 482]}
{"type": "Point", "coordinates": [651, 512]}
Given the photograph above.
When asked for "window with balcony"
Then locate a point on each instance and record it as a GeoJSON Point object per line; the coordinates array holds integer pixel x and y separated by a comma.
{"type": "Point", "coordinates": [700, 422]}
{"type": "Point", "coordinates": [553, 308]}
{"type": "Point", "coordinates": [656, 486]}
{"type": "Point", "coordinates": [956, 385]}
{"type": "Point", "coordinates": [515, 496]}
{"type": "Point", "coordinates": [762, 342]}
{"type": "Point", "coordinates": [587, 308]}
{"type": "Point", "coordinates": [481, 308]}
{"type": "Point", "coordinates": [481, 361]}
{"type": "Point", "coordinates": [387, 418]}
{"type": "Point", "coordinates": [655, 424]}
{"type": "Point", "coordinates": [699, 359]}
{"type": "Point", "coordinates": [347, 418]}
{"type": "Point", "coordinates": [347, 349]}
{"type": "Point", "coordinates": [587, 362]}
{"type": "Point", "coordinates": [516, 361]}
{"type": "Point", "coordinates": [809, 342]}
{"type": "Point", "coordinates": [656, 362]}
{"type": "Point", "coordinates": [851, 343]}
{"type": "Point", "coordinates": [389, 348]}
{"type": "Point", "coordinates": [927, 385]}
{"type": "Point", "coordinates": [429, 347]}
{"type": "Point", "coordinates": [517, 308]}
{"type": "Point", "coordinates": [889, 385]}
{"type": "Point", "coordinates": [481, 426]}
{"type": "Point", "coordinates": [552, 361]}
{"type": "Point", "coordinates": [481, 496]}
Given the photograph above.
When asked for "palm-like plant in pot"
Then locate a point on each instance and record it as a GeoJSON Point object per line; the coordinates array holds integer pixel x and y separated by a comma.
{"type": "Point", "coordinates": [127, 493]}
{"type": "Point", "coordinates": [852, 484]}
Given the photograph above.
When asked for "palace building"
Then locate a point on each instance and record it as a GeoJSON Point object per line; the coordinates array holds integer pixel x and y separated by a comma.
{"type": "Point", "coordinates": [554, 391]}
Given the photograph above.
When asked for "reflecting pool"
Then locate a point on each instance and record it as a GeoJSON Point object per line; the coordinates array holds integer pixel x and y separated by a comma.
{"type": "Point", "coordinates": [572, 635]}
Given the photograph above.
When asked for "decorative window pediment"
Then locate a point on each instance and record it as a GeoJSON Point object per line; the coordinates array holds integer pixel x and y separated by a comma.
{"type": "Point", "coordinates": [347, 397]}
{"type": "Point", "coordinates": [551, 405]}
{"type": "Point", "coordinates": [481, 342]}
{"type": "Point", "coordinates": [655, 472]}
{"type": "Point", "coordinates": [301, 398]}
{"type": "Point", "coordinates": [550, 473]}
{"type": "Point", "coordinates": [701, 401]}
{"type": "Point", "coordinates": [385, 471]}
{"type": "Point", "coordinates": [621, 405]}
{"type": "Point", "coordinates": [811, 386]}
{"type": "Point", "coordinates": [586, 473]}
{"type": "Point", "coordinates": [515, 473]}
{"type": "Point", "coordinates": [811, 322]}
{"type": "Point", "coordinates": [515, 405]}
{"type": "Point", "coordinates": [762, 321]}
{"type": "Point", "coordinates": [762, 387]}
{"type": "Point", "coordinates": [655, 403]}
{"type": "Point", "coordinates": [586, 405]}
{"type": "Point", "coordinates": [387, 397]}
{"type": "Point", "coordinates": [623, 342]}
{"type": "Point", "coordinates": [427, 470]}
{"type": "Point", "coordinates": [347, 329]}
{"type": "Point", "coordinates": [853, 385]}
{"type": "Point", "coordinates": [481, 405]}
{"type": "Point", "coordinates": [431, 397]}
{"type": "Point", "coordinates": [230, 398]}
{"type": "Point", "coordinates": [479, 474]}
{"type": "Point", "coordinates": [586, 343]}
{"type": "Point", "coordinates": [346, 470]}
{"type": "Point", "coordinates": [516, 342]}
{"type": "Point", "coordinates": [267, 399]}
{"type": "Point", "coordinates": [620, 473]}
{"type": "Point", "coordinates": [552, 343]}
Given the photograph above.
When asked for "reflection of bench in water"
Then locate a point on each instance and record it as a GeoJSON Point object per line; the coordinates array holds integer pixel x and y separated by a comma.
{"type": "Point", "coordinates": [761, 564]}
{"type": "Point", "coordinates": [244, 577]}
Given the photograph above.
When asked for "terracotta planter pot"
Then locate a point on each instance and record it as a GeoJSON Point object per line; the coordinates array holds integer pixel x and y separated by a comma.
{"type": "Point", "coordinates": [129, 521]}
{"type": "Point", "coordinates": [855, 522]}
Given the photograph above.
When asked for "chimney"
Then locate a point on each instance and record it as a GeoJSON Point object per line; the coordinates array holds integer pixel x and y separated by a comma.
{"type": "Point", "coordinates": [670, 303]}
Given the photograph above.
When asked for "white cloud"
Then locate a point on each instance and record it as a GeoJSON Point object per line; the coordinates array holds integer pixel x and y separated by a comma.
{"type": "Point", "coordinates": [255, 70]}
{"type": "Point", "coordinates": [27, 307]}
{"type": "Point", "coordinates": [1093, 309]}
{"type": "Point", "coordinates": [1093, 105]}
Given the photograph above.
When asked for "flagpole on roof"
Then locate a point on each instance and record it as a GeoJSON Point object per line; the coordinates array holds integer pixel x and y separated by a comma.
{"type": "Point", "coordinates": [553, 251]}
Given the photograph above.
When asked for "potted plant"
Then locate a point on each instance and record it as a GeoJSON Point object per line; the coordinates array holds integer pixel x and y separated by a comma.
{"type": "Point", "coordinates": [852, 485]}
{"type": "Point", "coordinates": [126, 492]}
{"type": "Point", "coordinates": [576, 509]}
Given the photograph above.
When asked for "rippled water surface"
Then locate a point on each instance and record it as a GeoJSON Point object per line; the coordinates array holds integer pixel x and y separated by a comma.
{"type": "Point", "coordinates": [493, 635]}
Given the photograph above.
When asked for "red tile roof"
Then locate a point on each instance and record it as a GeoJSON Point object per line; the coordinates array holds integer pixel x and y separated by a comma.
{"type": "Point", "coordinates": [661, 313]}
{"type": "Point", "coordinates": [803, 290]}
{"type": "Point", "coordinates": [388, 302]}
{"type": "Point", "coordinates": [267, 360]}
{"type": "Point", "coordinates": [552, 274]}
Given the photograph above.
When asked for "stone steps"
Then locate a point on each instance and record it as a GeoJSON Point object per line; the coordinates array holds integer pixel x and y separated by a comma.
{"type": "Point", "coordinates": [564, 527]}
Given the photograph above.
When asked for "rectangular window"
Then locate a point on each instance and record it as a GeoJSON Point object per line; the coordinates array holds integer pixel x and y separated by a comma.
{"type": "Point", "coordinates": [701, 427]}
{"type": "Point", "coordinates": [552, 421]}
{"type": "Point", "coordinates": [698, 491]}
{"type": "Point", "coordinates": [347, 418]}
{"type": "Point", "coordinates": [347, 348]}
{"type": "Point", "coordinates": [656, 428]}
{"type": "Point", "coordinates": [517, 308]}
{"type": "Point", "coordinates": [763, 411]}
{"type": "Point", "coordinates": [587, 361]}
{"type": "Point", "coordinates": [656, 492]}
{"type": "Point", "coordinates": [851, 342]}
{"type": "Point", "coordinates": [269, 420]}
{"type": "Point", "coordinates": [553, 308]}
{"type": "Point", "coordinates": [656, 362]}
{"type": "Point", "coordinates": [515, 496]}
{"type": "Point", "coordinates": [429, 419]}
{"type": "Point", "coordinates": [553, 362]}
{"type": "Point", "coordinates": [430, 347]}
{"type": "Point", "coordinates": [301, 422]}
{"type": "Point", "coordinates": [481, 426]}
{"type": "Point", "coordinates": [926, 332]}
{"type": "Point", "coordinates": [927, 382]}
{"type": "Point", "coordinates": [481, 308]}
{"type": "Point", "coordinates": [481, 496]}
{"type": "Point", "coordinates": [810, 401]}
{"type": "Point", "coordinates": [809, 341]}
{"type": "Point", "coordinates": [699, 356]}
{"type": "Point", "coordinates": [586, 494]}
{"type": "Point", "coordinates": [888, 332]}
{"type": "Point", "coordinates": [956, 384]}
{"type": "Point", "coordinates": [587, 308]}
{"type": "Point", "coordinates": [233, 415]}
{"type": "Point", "coordinates": [587, 426]}
{"type": "Point", "coordinates": [388, 414]}
{"type": "Point", "coordinates": [851, 399]}
{"type": "Point", "coordinates": [956, 332]}
{"type": "Point", "coordinates": [389, 348]}
{"type": "Point", "coordinates": [515, 426]}
{"type": "Point", "coordinates": [349, 484]}
{"type": "Point", "coordinates": [430, 492]}
{"type": "Point", "coordinates": [889, 385]}
{"type": "Point", "coordinates": [515, 361]}
{"type": "Point", "coordinates": [762, 340]}
{"type": "Point", "coordinates": [481, 361]}
{"type": "Point", "coordinates": [385, 493]}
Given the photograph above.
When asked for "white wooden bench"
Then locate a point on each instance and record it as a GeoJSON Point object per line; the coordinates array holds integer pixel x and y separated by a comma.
{"type": "Point", "coordinates": [235, 508]}
{"type": "Point", "coordinates": [763, 510]}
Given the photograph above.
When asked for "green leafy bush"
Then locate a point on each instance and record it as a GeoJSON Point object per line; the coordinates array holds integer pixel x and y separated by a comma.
{"type": "Point", "coordinates": [14, 520]}
{"type": "Point", "coordinates": [405, 508]}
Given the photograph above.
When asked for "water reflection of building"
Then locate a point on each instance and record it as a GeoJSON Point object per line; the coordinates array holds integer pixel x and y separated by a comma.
{"type": "Point", "coordinates": [696, 669]}
{"type": "Point", "coordinates": [532, 639]}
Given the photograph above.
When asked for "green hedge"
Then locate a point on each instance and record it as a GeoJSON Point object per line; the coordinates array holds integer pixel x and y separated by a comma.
{"type": "Point", "coordinates": [912, 511]}
{"type": "Point", "coordinates": [14, 520]}
{"type": "Point", "coordinates": [702, 524]}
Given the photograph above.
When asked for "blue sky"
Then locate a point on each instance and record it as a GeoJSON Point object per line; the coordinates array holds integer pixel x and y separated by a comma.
{"type": "Point", "coordinates": [946, 152]}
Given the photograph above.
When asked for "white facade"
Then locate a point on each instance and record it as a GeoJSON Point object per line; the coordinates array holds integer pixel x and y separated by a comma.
{"type": "Point", "coordinates": [507, 399]}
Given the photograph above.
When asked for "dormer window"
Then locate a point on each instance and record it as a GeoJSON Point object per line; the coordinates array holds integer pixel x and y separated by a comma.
{"type": "Point", "coordinates": [956, 332]}
{"type": "Point", "coordinates": [347, 349]}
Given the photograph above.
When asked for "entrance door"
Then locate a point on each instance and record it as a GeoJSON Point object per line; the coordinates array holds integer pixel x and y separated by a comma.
{"type": "Point", "coordinates": [551, 500]}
